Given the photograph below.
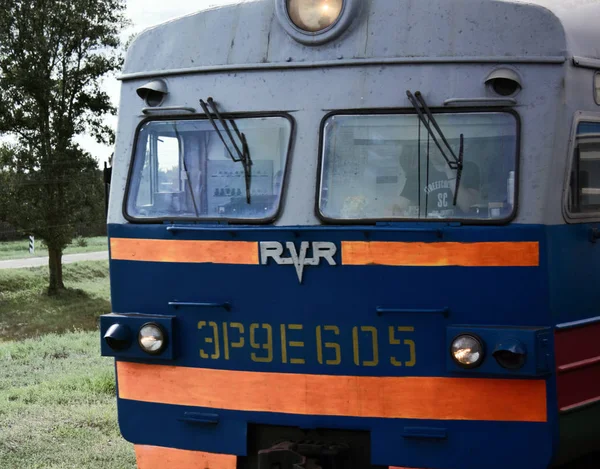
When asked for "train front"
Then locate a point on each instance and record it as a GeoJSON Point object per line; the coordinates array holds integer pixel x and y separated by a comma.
{"type": "Point", "coordinates": [326, 240]}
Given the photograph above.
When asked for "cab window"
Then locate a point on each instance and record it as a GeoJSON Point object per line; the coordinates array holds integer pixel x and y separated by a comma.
{"type": "Point", "coordinates": [183, 170]}
{"type": "Point", "coordinates": [584, 190]}
{"type": "Point", "coordinates": [388, 167]}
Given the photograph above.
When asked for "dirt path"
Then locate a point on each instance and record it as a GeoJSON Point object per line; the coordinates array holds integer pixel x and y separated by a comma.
{"type": "Point", "coordinates": [67, 259]}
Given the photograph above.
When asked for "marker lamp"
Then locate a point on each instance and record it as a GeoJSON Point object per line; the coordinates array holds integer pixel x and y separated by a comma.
{"type": "Point", "coordinates": [314, 15]}
{"type": "Point", "coordinates": [467, 351]}
{"type": "Point", "coordinates": [152, 339]}
{"type": "Point", "coordinates": [118, 337]}
{"type": "Point", "coordinates": [510, 354]}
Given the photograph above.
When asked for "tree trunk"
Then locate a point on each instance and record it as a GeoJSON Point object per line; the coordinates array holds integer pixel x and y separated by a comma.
{"type": "Point", "coordinates": [56, 276]}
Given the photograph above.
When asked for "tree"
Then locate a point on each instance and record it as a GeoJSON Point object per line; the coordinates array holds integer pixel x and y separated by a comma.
{"type": "Point", "coordinates": [53, 55]}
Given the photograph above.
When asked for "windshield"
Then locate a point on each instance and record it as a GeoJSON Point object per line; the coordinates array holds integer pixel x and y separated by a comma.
{"type": "Point", "coordinates": [388, 167]}
{"type": "Point", "coordinates": [182, 170]}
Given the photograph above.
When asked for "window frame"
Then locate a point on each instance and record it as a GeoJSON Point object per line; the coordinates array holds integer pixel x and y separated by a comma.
{"type": "Point", "coordinates": [570, 217]}
{"type": "Point", "coordinates": [231, 221]}
{"type": "Point", "coordinates": [410, 111]}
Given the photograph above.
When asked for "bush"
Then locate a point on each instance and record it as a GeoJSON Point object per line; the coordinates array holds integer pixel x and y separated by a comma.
{"type": "Point", "coordinates": [81, 242]}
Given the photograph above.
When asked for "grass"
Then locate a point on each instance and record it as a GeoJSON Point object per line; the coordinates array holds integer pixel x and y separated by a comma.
{"type": "Point", "coordinates": [20, 249]}
{"type": "Point", "coordinates": [58, 405]}
{"type": "Point", "coordinates": [26, 311]}
{"type": "Point", "coordinates": [57, 394]}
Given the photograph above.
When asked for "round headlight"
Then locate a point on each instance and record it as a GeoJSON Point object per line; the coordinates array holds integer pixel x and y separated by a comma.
{"type": "Point", "coordinates": [467, 351]}
{"type": "Point", "coordinates": [152, 338]}
{"type": "Point", "coordinates": [314, 15]}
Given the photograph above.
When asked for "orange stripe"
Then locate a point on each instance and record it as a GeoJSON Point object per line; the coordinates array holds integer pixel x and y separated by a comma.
{"type": "Point", "coordinates": [349, 396]}
{"type": "Point", "coordinates": [161, 250]}
{"type": "Point", "coordinates": [156, 457]}
{"type": "Point", "coordinates": [504, 254]}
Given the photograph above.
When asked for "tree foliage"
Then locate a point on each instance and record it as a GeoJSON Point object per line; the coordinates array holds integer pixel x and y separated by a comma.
{"type": "Point", "coordinates": [53, 56]}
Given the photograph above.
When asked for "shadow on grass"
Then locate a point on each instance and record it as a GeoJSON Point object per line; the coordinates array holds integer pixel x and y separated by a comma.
{"type": "Point", "coordinates": [68, 311]}
{"type": "Point", "coordinates": [26, 310]}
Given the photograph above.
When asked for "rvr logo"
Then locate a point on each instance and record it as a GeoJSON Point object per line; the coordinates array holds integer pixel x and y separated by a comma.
{"type": "Point", "coordinates": [320, 250]}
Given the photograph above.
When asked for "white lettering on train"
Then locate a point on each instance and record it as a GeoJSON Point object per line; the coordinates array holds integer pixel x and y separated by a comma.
{"type": "Point", "coordinates": [320, 250]}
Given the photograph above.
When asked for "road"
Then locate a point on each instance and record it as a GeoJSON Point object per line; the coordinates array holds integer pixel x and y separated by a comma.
{"type": "Point", "coordinates": [66, 259]}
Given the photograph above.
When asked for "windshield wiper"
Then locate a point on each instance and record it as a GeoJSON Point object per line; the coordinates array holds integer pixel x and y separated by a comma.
{"type": "Point", "coordinates": [455, 162]}
{"type": "Point", "coordinates": [243, 155]}
{"type": "Point", "coordinates": [187, 173]}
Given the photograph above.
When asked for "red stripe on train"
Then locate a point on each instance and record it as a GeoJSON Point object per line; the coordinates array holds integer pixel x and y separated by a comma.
{"type": "Point", "coordinates": [577, 352]}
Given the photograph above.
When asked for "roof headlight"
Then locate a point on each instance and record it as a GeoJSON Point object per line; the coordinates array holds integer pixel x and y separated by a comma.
{"type": "Point", "coordinates": [314, 15]}
{"type": "Point", "coordinates": [467, 351]}
{"type": "Point", "coordinates": [153, 93]}
{"type": "Point", "coordinates": [152, 338]}
{"type": "Point", "coordinates": [504, 82]}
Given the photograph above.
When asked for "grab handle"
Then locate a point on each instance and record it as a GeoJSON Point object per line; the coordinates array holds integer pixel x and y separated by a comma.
{"type": "Point", "coordinates": [186, 304]}
{"type": "Point", "coordinates": [159, 110]}
{"type": "Point", "coordinates": [385, 311]}
{"type": "Point", "coordinates": [200, 418]}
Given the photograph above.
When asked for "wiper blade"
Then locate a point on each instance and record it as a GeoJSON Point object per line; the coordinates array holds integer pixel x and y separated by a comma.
{"type": "Point", "coordinates": [455, 162]}
{"type": "Point", "coordinates": [243, 155]}
{"type": "Point", "coordinates": [459, 169]}
{"type": "Point", "coordinates": [187, 174]}
{"type": "Point", "coordinates": [247, 161]}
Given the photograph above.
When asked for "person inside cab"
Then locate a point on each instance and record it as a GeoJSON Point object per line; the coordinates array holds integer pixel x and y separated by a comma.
{"type": "Point", "coordinates": [430, 192]}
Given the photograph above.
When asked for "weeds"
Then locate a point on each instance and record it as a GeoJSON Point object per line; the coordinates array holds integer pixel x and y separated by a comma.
{"type": "Point", "coordinates": [58, 405]}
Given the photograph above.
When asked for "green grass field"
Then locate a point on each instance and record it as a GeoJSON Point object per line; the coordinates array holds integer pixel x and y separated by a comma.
{"type": "Point", "coordinates": [26, 311]}
{"type": "Point", "coordinates": [57, 394]}
{"type": "Point", "coordinates": [58, 407]}
{"type": "Point", "coordinates": [20, 249]}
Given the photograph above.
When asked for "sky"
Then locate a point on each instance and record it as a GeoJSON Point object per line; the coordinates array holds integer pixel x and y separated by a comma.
{"type": "Point", "coordinates": [142, 14]}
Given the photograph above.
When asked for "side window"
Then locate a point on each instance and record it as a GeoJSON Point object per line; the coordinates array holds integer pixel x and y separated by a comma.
{"type": "Point", "coordinates": [597, 88]}
{"type": "Point", "coordinates": [584, 193]}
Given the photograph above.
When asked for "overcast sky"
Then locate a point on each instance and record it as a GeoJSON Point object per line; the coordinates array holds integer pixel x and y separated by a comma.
{"type": "Point", "coordinates": [143, 14]}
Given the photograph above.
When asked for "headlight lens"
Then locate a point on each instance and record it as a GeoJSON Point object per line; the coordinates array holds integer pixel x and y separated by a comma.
{"type": "Point", "coordinates": [152, 338]}
{"type": "Point", "coordinates": [314, 15]}
{"type": "Point", "coordinates": [467, 351]}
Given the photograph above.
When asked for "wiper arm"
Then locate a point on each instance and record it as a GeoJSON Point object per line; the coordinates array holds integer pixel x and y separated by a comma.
{"type": "Point", "coordinates": [243, 155]}
{"type": "Point", "coordinates": [417, 101]}
{"type": "Point", "coordinates": [455, 163]}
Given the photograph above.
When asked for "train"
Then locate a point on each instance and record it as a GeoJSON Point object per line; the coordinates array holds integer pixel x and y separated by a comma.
{"type": "Point", "coordinates": [359, 234]}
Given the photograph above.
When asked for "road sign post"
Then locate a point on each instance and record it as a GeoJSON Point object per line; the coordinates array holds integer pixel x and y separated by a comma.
{"type": "Point", "coordinates": [31, 245]}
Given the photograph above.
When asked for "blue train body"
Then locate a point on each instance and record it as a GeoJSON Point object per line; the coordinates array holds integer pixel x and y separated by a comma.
{"type": "Point", "coordinates": [284, 296]}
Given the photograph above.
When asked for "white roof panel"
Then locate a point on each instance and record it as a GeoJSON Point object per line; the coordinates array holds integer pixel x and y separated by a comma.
{"type": "Point", "coordinates": [249, 33]}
